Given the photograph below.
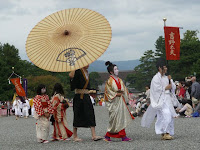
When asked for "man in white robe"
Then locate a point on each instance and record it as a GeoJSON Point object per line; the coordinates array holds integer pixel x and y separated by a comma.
{"type": "Point", "coordinates": [32, 110]}
{"type": "Point", "coordinates": [16, 106]}
{"type": "Point", "coordinates": [162, 99]}
{"type": "Point", "coordinates": [25, 108]}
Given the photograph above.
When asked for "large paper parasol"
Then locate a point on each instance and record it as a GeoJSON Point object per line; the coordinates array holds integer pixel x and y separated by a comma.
{"type": "Point", "coordinates": [68, 40]}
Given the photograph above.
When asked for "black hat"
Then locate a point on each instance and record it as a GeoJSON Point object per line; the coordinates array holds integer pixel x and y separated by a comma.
{"type": "Point", "coordinates": [160, 63]}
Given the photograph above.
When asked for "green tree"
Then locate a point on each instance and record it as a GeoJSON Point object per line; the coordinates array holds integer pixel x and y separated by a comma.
{"type": "Point", "coordinates": [143, 72]}
{"type": "Point", "coordinates": [189, 57]}
{"type": "Point", "coordinates": [9, 56]}
{"type": "Point", "coordinates": [49, 81]}
{"type": "Point", "coordinates": [95, 80]}
{"type": "Point", "coordinates": [160, 47]}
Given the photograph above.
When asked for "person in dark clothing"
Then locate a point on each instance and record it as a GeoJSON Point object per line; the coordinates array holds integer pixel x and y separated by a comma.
{"type": "Point", "coordinates": [195, 92]}
{"type": "Point", "coordinates": [8, 108]}
{"type": "Point", "coordinates": [82, 106]}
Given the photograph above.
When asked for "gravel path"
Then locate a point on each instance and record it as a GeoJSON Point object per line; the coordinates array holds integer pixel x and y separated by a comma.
{"type": "Point", "coordinates": [20, 135]}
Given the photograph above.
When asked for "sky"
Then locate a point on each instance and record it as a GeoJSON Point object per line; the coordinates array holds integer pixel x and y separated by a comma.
{"type": "Point", "coordinates": [136, 24]}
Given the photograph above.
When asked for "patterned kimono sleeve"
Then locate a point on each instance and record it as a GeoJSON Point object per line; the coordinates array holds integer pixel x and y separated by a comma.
{"type": "Point", "coordinates": [109, 93]}
{"type": "Point", "coordinates": [50, 109]}
{"type": "Point", "coordinates": [56, 106]}
{"type": "Point", "coordinates": [38, 106]}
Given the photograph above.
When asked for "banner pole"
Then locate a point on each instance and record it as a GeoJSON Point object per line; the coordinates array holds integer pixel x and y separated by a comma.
{"type": "Point", "coordinates": [165, 19]}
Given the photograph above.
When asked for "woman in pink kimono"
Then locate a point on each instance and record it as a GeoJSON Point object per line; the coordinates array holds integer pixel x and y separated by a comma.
{"type": "Point", "coordinates": [116, 96]}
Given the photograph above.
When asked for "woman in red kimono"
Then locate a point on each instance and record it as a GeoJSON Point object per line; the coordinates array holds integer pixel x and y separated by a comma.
{"type": "Point", "coordinates": [60, 105]}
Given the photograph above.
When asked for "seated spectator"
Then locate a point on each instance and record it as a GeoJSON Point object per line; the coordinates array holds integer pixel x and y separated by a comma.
{"type": "Point", "coordinates": [187, 90]}
{"type": "Point", "coordinates": [186, 109]}
{"type": "Point", "coordinates": [177, 88]}
{"type": "Point", "coordinates": [182, 90]}
{"type": "Point", "coordinates": [195, 92]}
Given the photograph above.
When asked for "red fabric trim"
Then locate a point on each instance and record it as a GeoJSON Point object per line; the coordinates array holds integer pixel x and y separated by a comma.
{"type": "Point", "coordinates": [62, 111]}
{"type": "Point", "coordinates": [59, 132]}
{"type": "Point", "coordinates": [44, 104]}
{"type": "Point", "coordinates": [55, 108]}
{"type": "Point", "coordinates": [69, 133]}
{"type": "Point", "coordinates": [54, 132]}
{"type": "Point", "coordinates": [56, 123]}
{"type": "Point", "coordinates": [127, 108]}
{"type": "Point", "coordinates": [120, 134]}
{"type": "Point", "coordinates": [117, 82]}
{"type": "Point", "coordinates": [56, 105]}
{"type": "Point", "coordinates": [119, 88]}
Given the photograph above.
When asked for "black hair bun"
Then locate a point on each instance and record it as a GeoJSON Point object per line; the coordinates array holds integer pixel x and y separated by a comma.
{"type": "Point", "coordinates": [108, 63]}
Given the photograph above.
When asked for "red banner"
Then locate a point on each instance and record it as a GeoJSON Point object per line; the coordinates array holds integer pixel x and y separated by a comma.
{"type": "Point", "coordinates": [19, 89]}
{"type": "Point", "coordinates": [172, 43]}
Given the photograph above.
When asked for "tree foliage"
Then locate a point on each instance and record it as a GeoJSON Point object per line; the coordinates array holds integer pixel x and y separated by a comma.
{"type": "Point", "coordinates": [95, 80]}
{"type": "Point", "coordinates": [143, 72]}
{"type": "Point", "coordinates": [33, 81]}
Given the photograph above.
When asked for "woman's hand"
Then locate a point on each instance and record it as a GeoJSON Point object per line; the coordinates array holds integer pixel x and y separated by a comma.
{"type": "Point", "coordinates": [47, 115]}
{"type": "Point", "coordinates": [71, 74]}
{"type": "Point", "coordinates": [119, 94]}
{"type": "Point", "coordinates": [169, 77]}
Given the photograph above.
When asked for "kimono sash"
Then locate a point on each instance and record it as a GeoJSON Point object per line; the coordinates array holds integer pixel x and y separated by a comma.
{"type": "Point", "coordinates": [86, 84]}
{"type": "Point", "coordinates": [44, 104]}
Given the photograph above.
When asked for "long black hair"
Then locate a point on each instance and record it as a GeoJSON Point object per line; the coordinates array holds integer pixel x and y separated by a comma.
{"type": "Point", "coordinates": [110, 67]}
{"type": "Point", "coordinates": [58, 89]}
{"type": "Point", "coordinates": [41, 86]}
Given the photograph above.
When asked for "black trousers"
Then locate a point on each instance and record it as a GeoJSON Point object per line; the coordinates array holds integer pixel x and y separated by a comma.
{"type": "Point", "coordinates": [8, 110]}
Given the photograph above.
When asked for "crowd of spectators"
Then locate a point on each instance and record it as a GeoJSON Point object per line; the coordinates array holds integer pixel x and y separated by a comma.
{"type": "Point", "coordinates": [187, 92]}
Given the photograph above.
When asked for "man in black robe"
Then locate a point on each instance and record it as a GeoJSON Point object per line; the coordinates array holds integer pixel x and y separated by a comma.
{"type": "Point", "coordinates": [82, 106]}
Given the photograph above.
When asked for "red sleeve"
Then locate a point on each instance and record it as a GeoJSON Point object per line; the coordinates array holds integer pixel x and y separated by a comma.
{"type": "Point", "coordinates": [55, 102]}
{"type": "Point", "coordinates": [38, 106]}
{"type": "Point", "coordinates": [182, 92]}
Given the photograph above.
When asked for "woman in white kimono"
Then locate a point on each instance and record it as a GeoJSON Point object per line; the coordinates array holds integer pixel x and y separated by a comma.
{"type": "Point", "coordinates": [163, 100]}
{"type": "Point", "coordinates": [116, 96]}
{"type": "Point", "coordinates": [16, 106]}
